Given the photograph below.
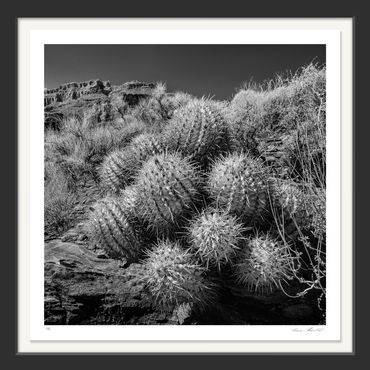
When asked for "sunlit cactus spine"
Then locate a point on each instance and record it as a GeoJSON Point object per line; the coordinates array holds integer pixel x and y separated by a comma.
{"type": "Point", "coordinates": [110, 226]}
{"type": "Point", "coordinates": [214, 237]}
{"type": "Point", "coordinates": [237, 184]}
{"type": "Point", "coordinates": [173, 277]}
{"type": "Point", "coordinates": [168, 186]}
{"type": "Point", "coordinates": [196, 130]}
{"type": "Point", "coordinates": [263, 264]}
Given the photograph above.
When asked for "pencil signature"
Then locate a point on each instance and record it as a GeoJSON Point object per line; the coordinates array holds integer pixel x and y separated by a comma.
{"type": "Point", "coordinates": [310, 329]}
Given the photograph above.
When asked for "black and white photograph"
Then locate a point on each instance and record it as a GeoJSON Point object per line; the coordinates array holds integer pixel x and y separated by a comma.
{"type": "Point", "coordinates": [185, 184]}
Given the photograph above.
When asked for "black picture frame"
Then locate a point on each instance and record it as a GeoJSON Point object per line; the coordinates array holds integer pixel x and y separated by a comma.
{"type": "Point", "coordinates": [181, 10]}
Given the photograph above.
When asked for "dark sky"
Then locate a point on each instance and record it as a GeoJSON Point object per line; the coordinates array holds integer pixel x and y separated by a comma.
{"type": "Point", "coordinates": [210, 70]}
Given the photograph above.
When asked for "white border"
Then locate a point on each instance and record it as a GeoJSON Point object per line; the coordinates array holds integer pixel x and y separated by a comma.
{"type": "Point", "coordinates": [34, 336]}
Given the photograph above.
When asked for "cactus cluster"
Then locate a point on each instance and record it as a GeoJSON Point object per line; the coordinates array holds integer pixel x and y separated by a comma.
{"type": "Point", "coordinates": [169, 187]}
{"type": "Point", "coordinates": [215, 237]}
{"type": "Point", "coordinates": [174, 277]}
{"type": "Point", "coordinates": [202, 205]}
{"type": "Point", "coordinates": [196, 130]}
{"type": "Point", "coordinates": [263, 263]}
{"type": "Point", "coordinates": [237, 183]}
{"type": "Point", "coordinates": [110, 226]}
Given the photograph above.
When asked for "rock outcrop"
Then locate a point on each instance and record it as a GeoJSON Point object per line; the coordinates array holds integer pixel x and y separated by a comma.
{"type": "Point", "coordinates": [132, 92]}
{"type": "Point", "coordinates": [97, 96]}
{"type": "Point", "coordinates": [74, 90]}
{"type": "Point", "coordinates": [83, 289]}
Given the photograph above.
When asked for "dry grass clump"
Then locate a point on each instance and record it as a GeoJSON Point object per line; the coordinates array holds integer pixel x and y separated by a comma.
{"type": "Point", "coordinates": [59, 203]}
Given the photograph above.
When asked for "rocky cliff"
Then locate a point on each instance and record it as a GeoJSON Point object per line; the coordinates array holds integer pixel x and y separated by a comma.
{"type": "Point", "coordinates": [98, 95]}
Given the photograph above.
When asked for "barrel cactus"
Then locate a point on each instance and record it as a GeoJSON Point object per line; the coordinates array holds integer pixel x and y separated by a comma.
{"type": "Point", "coordinates": [290, 207]}
{"type": "Point", "coordinates": [129, 198]}
{"type": "Point", "coordinates": [146, 145]}
{"type": "Point", "coordinates": [120, 167]}
{"type": "Point", "coordinates": [173, 277]}
{"type": "Point", "coordinates": [237, 184]}
{"type": "Point", "coordinates": [168, 185]}
{"type": "Point", "coordinates": [196, 130]}
{"type": "Point", "coordinates": [117, 170]}
{"type": "Point", "coordinates": [245, 117]}
{"type": "Point", "coordinates": [214, 237]}
{"type": "Point", "coordinates": [111, 227]}
{"type": "Point", "coordinates": [263, 263]}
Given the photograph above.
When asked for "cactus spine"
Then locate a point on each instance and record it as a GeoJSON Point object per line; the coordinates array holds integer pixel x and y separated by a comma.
{"type": "Point", "coordinates": [111, 228]}
{"type": "Point", "coordinates": [263, 263]}
{"type": "Point", "coordinates": [214, 237]}
{"type": "Point", "coordinates": [196, 130]}
{"type": "Point", "coordinates": [237, 184]}
{"type": "Point", "coordinates": [168, 187]}
{"type": "Point", "coordinates": [173, 277]}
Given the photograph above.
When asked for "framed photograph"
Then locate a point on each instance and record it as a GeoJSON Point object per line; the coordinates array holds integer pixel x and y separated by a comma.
{"type": "Point", "coordinates": [185, 185]}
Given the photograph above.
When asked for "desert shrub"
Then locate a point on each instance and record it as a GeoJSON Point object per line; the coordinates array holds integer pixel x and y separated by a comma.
{"type": "Point", "coordinates": [149, 111]}
{"type": "Point", "coordinates": [214, 237]}
{"type": "Point", "coordinates": [300, 220]}
{"type": "Point", "coordinates": [80, 149]}
{"type": "Point", "coordinates": [59, 215]}
{"type": "Point", "coordinates": [157, 109]}
{"type": "Point", "coordinates": [290, 207]}
{"type": "Point", "coordinates": [295, 110]}
{"type": "Point", "coordinates": [173, 277]}
{"type": "Point", "coordinates": [59, 204]}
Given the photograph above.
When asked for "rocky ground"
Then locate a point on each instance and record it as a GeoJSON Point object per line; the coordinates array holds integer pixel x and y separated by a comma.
{"type": "Point", "coordinates": [83, 287]}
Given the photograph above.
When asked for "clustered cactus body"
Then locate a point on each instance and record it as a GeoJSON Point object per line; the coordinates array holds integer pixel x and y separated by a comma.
{"type": "Point", "coordinates": [215, 237]}
{"type": "Point", "coordinates": [120, 167]}
{"type": "Point", "coordinates": [196, 130]}
{"type": "Point", "coordinates": [117, 170]}
{"type": "Point", "coordinates": [110, 226]}
{"type": "Point", "coordinates": [263, 263]}
{"type": "Point", "coordinates": [244, 117]}
{"type": "Point", "coordinates": [146, 145]}
{"type": "Point", "coordinates": [237, 183]}
{"type": "Point", "coordinates": [168, 185]}
{"type": "Point", "coordinates": [174, 277]}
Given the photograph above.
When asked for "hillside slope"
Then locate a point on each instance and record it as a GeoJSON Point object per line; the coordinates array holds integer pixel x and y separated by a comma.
{"type": "Point", "coordinates": [217, 208]}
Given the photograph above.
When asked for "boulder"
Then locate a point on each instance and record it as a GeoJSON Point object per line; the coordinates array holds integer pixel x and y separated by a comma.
{"type": "Point", "coordinates": [83, 289]}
